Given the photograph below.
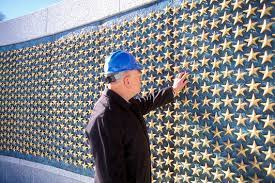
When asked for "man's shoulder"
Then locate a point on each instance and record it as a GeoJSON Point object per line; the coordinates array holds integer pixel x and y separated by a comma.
{"type": "Point", "coordinates": [103, 112]}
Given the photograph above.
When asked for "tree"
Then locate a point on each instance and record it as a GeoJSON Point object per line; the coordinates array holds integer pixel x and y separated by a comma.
{"type": "Point", "coordinates": [2, 16]}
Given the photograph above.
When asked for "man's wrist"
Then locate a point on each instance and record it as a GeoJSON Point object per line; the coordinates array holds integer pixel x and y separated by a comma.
{"type": "Point", "coordinates": [174, 91]}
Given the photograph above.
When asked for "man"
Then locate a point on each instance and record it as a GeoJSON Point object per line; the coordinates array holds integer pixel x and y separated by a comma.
{"type": "Point", "coordinates": [117, 131]}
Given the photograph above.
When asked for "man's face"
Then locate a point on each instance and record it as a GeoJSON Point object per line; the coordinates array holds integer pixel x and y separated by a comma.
{"type": "Point", "coordinates": [134, 81]}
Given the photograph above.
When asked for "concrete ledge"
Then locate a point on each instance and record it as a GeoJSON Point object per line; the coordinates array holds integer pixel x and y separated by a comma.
{"type": "Point", "coordinates": [18, 170]}
{"type": "Point", "coordinates": [63, 16]}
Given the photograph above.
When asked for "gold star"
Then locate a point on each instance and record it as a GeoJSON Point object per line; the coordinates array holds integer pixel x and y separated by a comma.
{"type": "Point", "coordinates": [226, 44]}
{"type": "Point", "coordinates": [217, 161]}
{"type": "Point", "coordinates": [241, 180]}
{"type": "Point", "coordinates": [269, 138]}
{"type": "Point", "coordinates": [252, 55]}
{"type": "Point", "coordinates": [214, 10]}
{"type": "Point", "coordinates": [193, 4]}
{"type": "Point", "coordinates": [255, 148]}
{"type": "Point", "coordinates": [250, 25]}
{"type": "Point", "coordinates": [160, 127]}
{"type": "Point", "coordinates": [206, 101]}
{"type": "Point", "coordinates": [216, 64]}
{"type": "Point", "coordinates": [242, 151]}
{"type": "Point", "coordinates": [177, 129]}
{"type": "Point", "coordinates": [240, 75]}
{"type": "Point", "coordinates": [239, 90]}
{"type": "Point", "coordinates": [254, 117]}
{"type": "Point", "coordinates": [216, 104]}
{"type": "Point", "coordinates": [238, 18]}
{"type": "Point", "coordinates": [237, 4]}
{"type": "Point", "coordinates": [193, 16]}
{"type": "Point", "coordinates": [203, 23]}
{"type": "Point", "coordinates": [186, 165]}
{"type": "Point", "coordinates": [215, 50]}
{"type": "Point", "coordinates": [168, 173]}
{"type": "Point", "coordinates": [168, 77]}
{"type": "Point", "coordinates": [216, 118]}
{"type": "Point", "coordinates": [240, 120]}
{"type": "Point", "coordinates": [242, 166]}
{"type": "Point", "coordinates": [176, 155]}
{"type": "Point", "coordinates": [268, 122]}
{"type": "Point", "coordinates": [253, 101]}
{"type": "Point", "coordinates": [205, 74]}
{"type": "Point", "coordinates": [195, 170]}
{"type": "Point", "coordinates": [196, 131]}
{"type": "Point", "coordinates": [186, 101]}
{"type": "Point", "coordinates": [227, 101]}
{"type": "Point", "coordinates": [265, 26]}
{"type": "Point", "coordinates": [225, 31]}
{"type": "Point", "coordinates": [168, 149]}
{"type": "Point", "coordinates": [204, 48]}
{"type": "Point", "coordinates": [270, 171]}
{"type": "Point", "coordinates": [216, 77]}
{"type": "Point", "coordinates": [253, 70]}
{"type": "Point", "coordinates": [255, 178]}
{"type": "Point", "coordinates": [254, 132]}
{"type": "Point", "coordinates": [269, 154]}
{"type": "Point", "coordinates": [226, 58]}
{"type": "Point", "coordinates": [186, 140]}
{"type": "Point", "coordinates": [241, 135]}
{"type": "Point", "coordinates": [159, 173]}
{"type": "Point", "coordinates": [227, 115]}
{"type": "Point", "coordinates": [217, 147]}
{"type": "Point", "coordinates": [265, 11]}
{"type": "Point", "coordinates": [227, 87]}
{"type": "Point", "coordinates": [266, 57]}
{"type": "Point", "coordinates": [160, 141]}
{"type": "Point", "coordinates": [214, 37]}
{"type": "Point", "coordinates": [216, 90]}
{"type": "Point", "coordinates": [224, 4]}
{"type": "Point", "coordinates": [195, 105]}
{"type": "Point", "coordinates": [203, 10]}
{"type": "Point", "coordinates": [228, 174]}
{"type": "Point", "coordinates": [266, 73]}
{"type": "Point", "coordinates": [206, 169]}
{"type": "Point", "coordinates": [253, 86]}
{"type": "Point", "coordinates": [185, 177]}
{"type": "Point", "coordinates": [228, 130]}
{"type": "Point", "coordinates": [205, 88]}
{"type": "Point", "coordinates": [250, 11]}
{"type": "Point", "coordinates": [217, 175]}
{"type": "Point", "coordinates": [251, 41]}
{"type": "Point", "coordinates": [268, 105]}
{"type": "Point", "coordinates": [227, 73]}
{"type": "Point", "coordinates": [267, 89]}
{"type": "Point", "coordinates": [266, 41]}
{"type": "Point", "coordinates": [238, 46]}
{"type": "Point", "coordinates": [239, 60]}
{"type": "Point", "coordinates": [240, 105]}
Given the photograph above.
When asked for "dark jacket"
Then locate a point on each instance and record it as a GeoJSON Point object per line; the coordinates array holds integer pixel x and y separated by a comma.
{"type": "Point", "coordinates": [118, 137]}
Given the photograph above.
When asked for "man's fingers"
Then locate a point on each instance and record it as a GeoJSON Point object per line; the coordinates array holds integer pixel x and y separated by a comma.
{"type": "Point", "coordinates": [183, 75]}
{"type": "Point", "coordinates": [184, 82]}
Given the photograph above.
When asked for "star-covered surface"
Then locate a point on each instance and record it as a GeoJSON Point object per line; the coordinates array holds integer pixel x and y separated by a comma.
{"type": "Point", "coordinates": [219, 129]}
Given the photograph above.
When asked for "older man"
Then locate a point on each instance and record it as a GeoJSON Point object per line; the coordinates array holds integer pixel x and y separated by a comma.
{"type": "Point", "coordinates": [117, 131]}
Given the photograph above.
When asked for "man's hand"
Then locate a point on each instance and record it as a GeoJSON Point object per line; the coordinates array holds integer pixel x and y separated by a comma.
{"type": "Point", "coordinates": [180, 82]}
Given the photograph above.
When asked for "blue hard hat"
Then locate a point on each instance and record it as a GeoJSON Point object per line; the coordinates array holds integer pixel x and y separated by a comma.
{"type": "Point", "coordinates": [120, 61]}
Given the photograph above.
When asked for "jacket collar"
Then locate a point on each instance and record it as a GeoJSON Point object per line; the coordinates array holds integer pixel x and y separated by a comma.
{"type": "Point", "coordinates": [117, 98]}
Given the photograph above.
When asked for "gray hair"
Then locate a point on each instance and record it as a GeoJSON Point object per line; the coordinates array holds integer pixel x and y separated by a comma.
{"type": "Point", "coordinates": [118, 75]}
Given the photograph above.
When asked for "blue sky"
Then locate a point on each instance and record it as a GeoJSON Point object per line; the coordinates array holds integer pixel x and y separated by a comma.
{"type": "Point", "coordinates": [16, 8]}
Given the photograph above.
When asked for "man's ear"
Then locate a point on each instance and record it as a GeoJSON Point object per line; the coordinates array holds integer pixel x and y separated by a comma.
{"type": "Point", "coordinates": [126, 82]}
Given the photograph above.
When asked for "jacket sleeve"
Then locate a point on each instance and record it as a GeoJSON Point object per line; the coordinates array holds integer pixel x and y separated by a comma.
{"type": "Point", "coordinates": [106, 141]}
{"type": "Point", "coordinates": [153, 101]}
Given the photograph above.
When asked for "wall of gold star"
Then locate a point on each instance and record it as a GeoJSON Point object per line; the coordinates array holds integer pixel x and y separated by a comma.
{"type": "Point", "coordinates": [220, 128]}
